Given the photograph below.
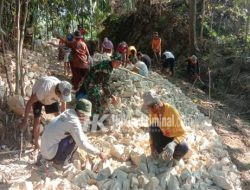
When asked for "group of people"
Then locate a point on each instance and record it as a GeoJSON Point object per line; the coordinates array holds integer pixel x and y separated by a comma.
{"type": "Point", "coordinates": [91, 84]}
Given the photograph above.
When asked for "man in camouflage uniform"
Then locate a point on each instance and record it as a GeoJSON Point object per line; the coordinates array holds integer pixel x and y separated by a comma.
{"type": "Point", "coordinates": [95, 86]}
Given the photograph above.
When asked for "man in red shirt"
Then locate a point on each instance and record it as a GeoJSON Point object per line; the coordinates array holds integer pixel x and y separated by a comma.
{"type": "Point", "coordinates": [122, 49]}
{"type": "Point", "coordinates": [80, 61]}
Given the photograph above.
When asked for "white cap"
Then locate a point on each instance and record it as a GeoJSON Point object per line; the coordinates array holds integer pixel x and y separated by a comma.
{"type": "Point", "coordinates": [65, 89]}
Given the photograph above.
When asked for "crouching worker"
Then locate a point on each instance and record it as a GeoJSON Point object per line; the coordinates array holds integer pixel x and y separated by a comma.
{"type": "Point", "coordinates": [168, 62]}
{"type": "Point", "coordinates": [46, 92]}
{"type": "Point", "coordinates": [166, 129]}
{"type": "Point", "coordinates": [141, 68]}
{"type": "Point", "coordinates": [65, 133]}
{"type": "Point", "coordinates": [193, 69]}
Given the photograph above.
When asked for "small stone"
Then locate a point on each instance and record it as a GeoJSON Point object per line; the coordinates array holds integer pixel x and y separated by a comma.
{"type": "Point", "coordinates": [82, 178]}
{"type": "Point", "coordinates": [152, 184]}
{"type": "Point", "coordinates": [126, 184]}
{"type": "Point", "coordinates": [25, 185]}
{"type": "Point", "coordinates": [92, 187]}
{"type": "Point", "coordinates": [173, 183]}
{"type": "Point", "coordinates": [186, 187]}
{"type": "Point", "coordinates": [134, 182]}
{"type": "Point", "coordinates": [119, 152]}
{"type": "Point", "coordinates": [16, 104]}
{"type": "Point", "coordinates": [142, 181]}
{"type": "Point", "coordinates": [105, 184]}
{"type": "Point", "coordinates": [104, 174]}
{"type": "Point", "coordinates": [135, 157]}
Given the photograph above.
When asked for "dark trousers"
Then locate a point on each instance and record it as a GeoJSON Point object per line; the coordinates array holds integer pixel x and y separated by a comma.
{"type": "Point", "coordinates": [169, 63]}
{"type": "Point", "coordinates": [160, 142]}
{"type": "Point", "coordinates": [65, 151]}
{"type": "Point", "coordinates": [77, 75]}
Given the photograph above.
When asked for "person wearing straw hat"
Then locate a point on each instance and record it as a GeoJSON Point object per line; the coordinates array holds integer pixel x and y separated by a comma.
{"type": "Point", "coordinates": [167, 134]}
{"type": "Point", "coordinates": [65, 134]}
{"type": "Point", "coordinates": [80, 62]}
{"type": "Point", "coordinates": [46, 92]}
{"type": "Point", "coordinates": [95, 86]}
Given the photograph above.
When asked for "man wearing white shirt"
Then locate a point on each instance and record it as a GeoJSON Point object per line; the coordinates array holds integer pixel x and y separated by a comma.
{"type": "Point", "coordinates": [168, 62]}
{"type": "Point", "coordinates": [141, 68]}
{"type": "Point", "coordinates": [46, 92]}
{"type": "Point", "coordinates": [65, 133]}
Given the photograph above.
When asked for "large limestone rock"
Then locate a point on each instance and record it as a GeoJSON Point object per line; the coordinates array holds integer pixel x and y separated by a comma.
{"type": "Point", "coordinates": [16, 104]}
{"type": "Point", "coordinates": [120, 152]}
{"type": "Point", "coordinates": [83, 178]}
{"type": "Point", "coordinates": [25, 185]}
{"type": "Point", "coordinates": [220, 179]}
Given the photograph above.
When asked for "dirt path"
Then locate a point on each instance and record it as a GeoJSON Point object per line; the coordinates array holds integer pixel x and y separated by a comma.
{"type": "Point", "coordinates": [233, 129]}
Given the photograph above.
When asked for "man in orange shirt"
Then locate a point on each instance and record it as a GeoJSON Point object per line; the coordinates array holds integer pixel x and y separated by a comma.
{"type": "Point", "coordinates": [156, 46]}
{"type": "Point", "coordinates": [167, 134]}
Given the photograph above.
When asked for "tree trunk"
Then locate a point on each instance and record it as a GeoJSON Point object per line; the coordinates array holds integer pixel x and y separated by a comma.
{"type": "Point", "coordinates": [3, 48]}
{"type": "Point", "coordinates": [247, 29]}
{"type": "Point", "coordinates": [192, 26]}
{"type": "Point", "coordinates": [47, 24]}
{"type": "Point", "coordinates": [202, 20]}
{"type": "Point", "coordinates": [25, 13]}
{"type": "Point", "coordinates": [18, 8]}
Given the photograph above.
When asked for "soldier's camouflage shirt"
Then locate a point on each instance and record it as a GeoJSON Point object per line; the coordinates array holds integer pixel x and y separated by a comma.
{"type": "Point", "coordinates": [95, 83]}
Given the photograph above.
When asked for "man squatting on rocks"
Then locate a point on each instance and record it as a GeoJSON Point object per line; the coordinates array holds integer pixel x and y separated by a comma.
{"type": "Point", "coordinates": [167, 133]}
{"type": "Point", "coordinates": [65, 133]}
{"type": "Point", "coordinates": [47, 92]}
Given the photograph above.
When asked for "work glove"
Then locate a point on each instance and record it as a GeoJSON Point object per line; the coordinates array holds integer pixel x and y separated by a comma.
{"type": "Point", "coordinates": [168, 151]}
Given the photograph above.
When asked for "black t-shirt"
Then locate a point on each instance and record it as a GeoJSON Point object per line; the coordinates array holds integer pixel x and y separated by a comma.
{"type": "Point", "coordinates": [147, 60]}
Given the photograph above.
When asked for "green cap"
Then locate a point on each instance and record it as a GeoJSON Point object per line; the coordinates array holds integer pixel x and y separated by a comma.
{"type": "Point", "coordinates": [84, 106]}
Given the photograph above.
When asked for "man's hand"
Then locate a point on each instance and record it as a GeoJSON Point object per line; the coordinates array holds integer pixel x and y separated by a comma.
{"type": "Point", "coordinates": [168, 151]}
{"type": "Point", "coordinates": [154, 152]}
{"type": "Point", "coordinates": [115, 100]}
{"type": "Point", "coordinates": [103, 156]}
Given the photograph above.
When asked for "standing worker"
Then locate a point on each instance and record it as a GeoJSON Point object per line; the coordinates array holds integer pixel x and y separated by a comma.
{"type": "Point", "coordinates": [156, 46]}
{"type": "Point", "coordinates": [123, 50]}
{"type": "Point", "coordinates": [80, 63]}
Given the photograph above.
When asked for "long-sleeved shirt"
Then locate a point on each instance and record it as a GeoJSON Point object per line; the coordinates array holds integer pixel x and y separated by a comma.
{"type": "Point", "coordinates": [59, 128]}
{"type": "Point", "coordinates": [96, 80]}
{"type": "Point", "coordinates": [80, 54]}
{"type": "Point", "coordinates": [170, 123]}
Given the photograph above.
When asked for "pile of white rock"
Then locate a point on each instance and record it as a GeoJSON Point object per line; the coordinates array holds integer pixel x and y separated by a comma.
{"type": "Point", "coordinates": [206, 166]}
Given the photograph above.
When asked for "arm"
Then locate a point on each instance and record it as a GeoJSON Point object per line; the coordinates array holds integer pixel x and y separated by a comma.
{"type": "Point", "coordinates": [181, 134]}
{"type": "Point", "coordinates": [82, 141]}
{"type": "Point", "coordinates": [63, 106]}
{"type": "Point", "coordinates": [29, 104]}
{"type": "Point", "coordinates": [53, 44]}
